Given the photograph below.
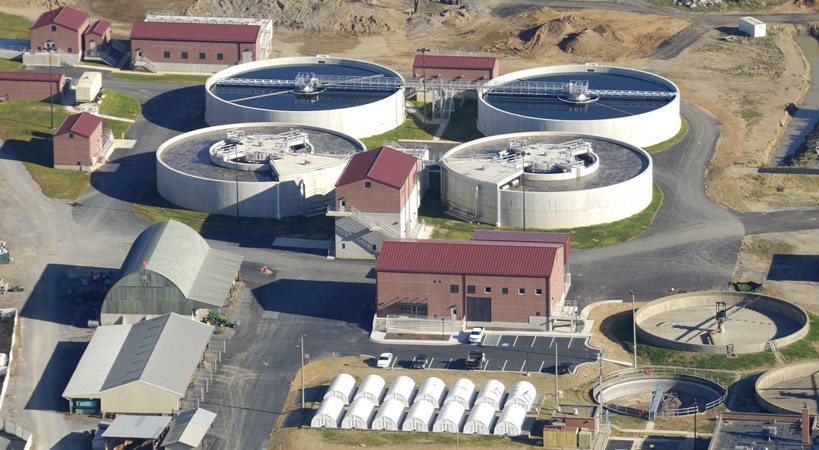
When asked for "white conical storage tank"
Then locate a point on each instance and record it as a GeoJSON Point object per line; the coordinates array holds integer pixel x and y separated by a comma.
{"type": "Point", "coordinates": [480, 420]}
{"type": "Point", "coordinates": [523, 393]}
{"type": "Point", "coordinates": [420, 417]}
{"type": "Point", "coordinates": [491, 393]}
{"type": "Point", "coordinates": [510, 422]}
{"type": "Point", "coordinates": [463, 391]}
{"type": "Point", "coordinates": [401, 389]}
{"type": "Point", "coordinates": [432, 390]}
{"type": "Point", "coordinates": [450, 418]}
{"type": "Point", "coordinates": [390, 416]}
{"type": "Point", "coordinates": [360, 415]}
{"type": "Point", "coordinates": [329, 413]}
{"type": "Point", "coordinates": [342, 388]}
{"type": "Point", "coordinates": [371, 388]}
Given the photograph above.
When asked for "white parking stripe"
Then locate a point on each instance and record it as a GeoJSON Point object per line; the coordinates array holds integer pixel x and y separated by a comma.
{"type": "Point", "coordinates": [395, 360]}
{"type": "Point", "coordinates": [522, 366]}
{"type": "Point", "coordinates": [552, 342]}
{"type": "Point", "coordinates": [448, 363]}
{"type": "Point", "coordinates": [516, 341]}
{"type": "Point", "coordinates": [541, 366]}
{"type": "Point", "coordinates": [533, 342]}
{"type": "Point", "coordinates": [570, 342]}
{"type": "Point", "coordinates": [429, 364]}
{"type": "Point", "coordinates": [485, 364]}
{"type": "Point", "coordinates": [504, 366]}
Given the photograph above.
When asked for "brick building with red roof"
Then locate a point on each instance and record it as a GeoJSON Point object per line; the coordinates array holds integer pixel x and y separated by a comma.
{"type": "Point", "coordinates": [481, 281]}
{"type": "Point", "coordinates": [31, 86]}
{"type": "Point", "coordinates": [79, 142]}
{"type": "Point", "coordinates": [59, 30]}
{"type": "Point", "coordinates": [97, 38]}
{"type": "Point", "coordinates": [379, 192]}
{"type": "Point", "coordinates": [448, 67]}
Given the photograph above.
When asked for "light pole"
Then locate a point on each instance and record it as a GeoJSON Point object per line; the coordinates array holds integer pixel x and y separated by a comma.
{"type": "Point", "coordinates": [696, 413]}
{"type": "Point", "coordinates": [523, 185]}
{"type": "Point", "coordinates": [633, 326]}
{"type": "Point", "coordinates": [443, 333]}
{"type": "Point", "coordinates": [557, 371]}
{"type": "Point", "coordinates": [236, 172]}
{"type": "Point", "coordinates": [423, 51]}
{"type": "Point", "coordinates": [302, 371]}
{"type": "Point", "coordinates": [50, 89]}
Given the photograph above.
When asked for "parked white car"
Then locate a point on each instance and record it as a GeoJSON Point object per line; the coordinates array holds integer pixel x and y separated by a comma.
{"type": "Point", "coordinates": [476, 335]}
{"type": "Point", "coordinates": [384, 360]}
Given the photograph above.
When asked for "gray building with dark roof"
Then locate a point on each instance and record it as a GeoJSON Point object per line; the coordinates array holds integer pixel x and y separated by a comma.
{"type": "Point", "coordinates": [170, 268]}
{"type": "Point", "coordinates": [140, 368]}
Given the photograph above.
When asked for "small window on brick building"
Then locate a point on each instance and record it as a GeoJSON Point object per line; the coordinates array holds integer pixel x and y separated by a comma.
{"type": "Point", "coordinates": [470, 289]}
{"type": "Point", "coordinates": [184, 55]}
{"type": "Point", "coordinates": [70, 50]}
{"type": "Point", "coordinates": [220, 56]}
{"type": "Point", "coordinates": [201, 55]}
{"type": "Point", "coordinates": [487, 290]}
{"type": "Point", "coordinates": [166, 55]}
{"type": "Point", "coordinates": [367, 184]}
{"type": "Point", "coordinates": [453, 288]}
{"type": "Point", "coordinates": [538, 291]}
{"type": "Point", "coordinates": [521, 291]}
{"type": "Point", "coordinates": [70, 135]}
{"type": "Point", "coordinates": [53, 27]}
{"type": "Point", "coordinates": [504, 290]}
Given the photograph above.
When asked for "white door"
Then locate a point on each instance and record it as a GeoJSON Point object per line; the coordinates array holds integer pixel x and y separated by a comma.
{"type": "Point", "coordinates": [247, 56]}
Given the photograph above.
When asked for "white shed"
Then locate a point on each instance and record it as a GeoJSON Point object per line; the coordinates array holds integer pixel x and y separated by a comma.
{"type": "Point", "coordinates": [523, 393]}
{"type": "Point", "coordinates": [372, 388]}
{"type": "Point", "coordinates": [492, 393]}
{"type": "Point", "coordinates": [419, 417]}
{"type": "Point", "coordinates": [450, 418]}
{"type": "Point", "coordinates": [342, 388]}
{"type": "Point", "coordinates": [329, 413]}
{"type": "Point", "coordinates": [752, 27]}
{"type": "Point", "coordinates": [390, 416]}
{"type": "Point", "coordinates": [463, 392]}
{"type": "Point", "coordinates": [401, 389]}
{"type": "Point", "coordinates": [510, 422]}
{"type": "Point", "coordinates": [480, 420]}
{"type": "Point", "coordinates": [432, 390]}
{"type": "Point", "coordinates": [360, 415]}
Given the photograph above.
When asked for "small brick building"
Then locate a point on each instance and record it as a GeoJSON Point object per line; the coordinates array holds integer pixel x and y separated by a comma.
{"type": "Point", "coordinates": [31, 86]}
{"type": "Point", "coordinates": [481, 281]}
{"type": "Point", "coordinates": [383, 185]}
{"type": "Point", "coordinates": [97, 38]}
{"type": "Point", "coordinates": [60, 30]}
{"type": "Point", "coordinates": [183, 46]}
{"type": "Point", "coordinates": [449, 68]}
{"type": "Point", "coordinates": [78, 142]}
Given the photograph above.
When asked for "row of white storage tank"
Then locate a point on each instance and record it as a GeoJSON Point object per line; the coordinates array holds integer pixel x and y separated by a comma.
{"type": "Point", "coordinates": [374, 407]}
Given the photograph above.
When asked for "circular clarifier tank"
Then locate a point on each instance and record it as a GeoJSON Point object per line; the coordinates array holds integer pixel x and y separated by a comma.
{"type": "Point", "coordinates": [356, 97]}
{"type": "Point", "coordinates": [789, 388]}
{"type": "Point", "coordinates": [637, 107]}
{"type": "Point", "coordinates": [721, 322]}
{"type": "Point", "coordinates": [267, 170]}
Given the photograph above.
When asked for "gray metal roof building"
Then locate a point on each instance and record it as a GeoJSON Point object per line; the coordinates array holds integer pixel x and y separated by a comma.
{"type": "Point", "coordinates": [189, 429]}
{"type": "Point", "coordinates": [141, 368]}
{"type": "Point", "coordinates": [170, 268]}
{"type": "Point", "coordinates": [137, 427]}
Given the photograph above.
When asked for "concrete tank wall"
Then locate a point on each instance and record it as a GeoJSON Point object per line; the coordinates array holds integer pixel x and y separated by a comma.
{"type": "Point", "coordinates": [779, 375]}
{"type": "Point", "coordinates": [641, 130]}
{"type": "Point", "coordinates": [361, 121]}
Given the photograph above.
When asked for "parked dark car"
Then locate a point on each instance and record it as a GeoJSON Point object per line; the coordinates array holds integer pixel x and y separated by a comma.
{"type": "Point", "coordinates": [421, 361]}
{"type": "Point", "coordinates": [475, 360]}
{"type": "Point", "coordinates": [562, 368]}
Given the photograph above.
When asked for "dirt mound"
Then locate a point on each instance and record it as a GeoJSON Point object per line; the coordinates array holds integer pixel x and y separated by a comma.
{"type": "Point", "coordinates": [585, 43]}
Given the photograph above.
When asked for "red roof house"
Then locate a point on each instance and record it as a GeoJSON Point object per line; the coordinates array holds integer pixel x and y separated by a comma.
{"type": "Point", "coordinates": [59, 30]}
{"type": "Point", "coordinates": [78, 142]}
{"type": "Point", "coordinates": [449, 67]}
{"type": "Point", "coordinates": [31, 86]}
{"type": "Point", "coordinates": [377, 181]}
{"type": "Point", "coordinates": [97, 38]}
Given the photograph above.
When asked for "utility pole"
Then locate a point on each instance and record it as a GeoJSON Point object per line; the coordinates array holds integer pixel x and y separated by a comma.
{"type": "Point", "coordinates": [696, 413]}
{"type": "Point", "coordinates": [236, 172]}
{"type": "Point", "coordinates": [302, 372]}
{"type": "Point", "coordinates": [633, 326]}
{"type": "Point", "coordinates": [443, 333]}
{"type": "Point", "coordinates": [523, 185]}
{"type": "Point", "coordinates": [50, 89]}
{"type": "Point", "coordinates": [557, 388]}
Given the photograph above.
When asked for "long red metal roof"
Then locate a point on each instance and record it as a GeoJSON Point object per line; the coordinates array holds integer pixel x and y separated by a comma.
{"type": "Point", "coordinates": [384, 165]}
{"type": "Point", "coordinates": [100, 27]}
{"type": "Point", "coordinates": [454, 62]}
{"type": "Point", "coordinates": [31, 76]}
{"type": "Point", "coordinates": [83, 124]}
{"type": "Point", "coordinates": [195, 32]}
{"type": "Point", "coordinates": [506, 259]}
{"type": "Point", "coordinates": [64, 16]}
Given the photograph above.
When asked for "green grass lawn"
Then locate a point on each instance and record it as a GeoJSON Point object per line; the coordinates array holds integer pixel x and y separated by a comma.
{"type": "Point", "coordinates": [386, 439]}
{"type": "Point", "coordinates": [13, 27]}
{"type": "Point", "coordinates": [8, 65]}
{"type": "Point", "coordinates": [150, 207]}
{"type": "Point", "coordinates": [586, 237]}
{"type": "Point", "coordinates": [118, 127]}
{"type": "Point", "coordinates": [665, 145]}
{"type": "Point", "coordinates": [26, 126]}
{"type": "Point", "coordinates": [119, 104]}
{"type": "Point", "coordinates": [162, 78]}
{"type": "Point", "coordinates": [805, 348]}
{"type": "Point", "coordinates": [412, 128]}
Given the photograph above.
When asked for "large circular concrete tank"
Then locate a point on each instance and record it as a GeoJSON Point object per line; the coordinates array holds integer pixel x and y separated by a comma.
{"type": "Point", "coordinates": [463, 392]}
{"type": "Point", "coordinates": [491, 393]}
{"type": "Point", "coordinates": [420, 417]}
{"type": "Point", "coordinates": [450, 418]}
{"type": "Point", "coordinates": [510, 422]}
{"type": "Point", "coordinates": [329, 413]}
{"type": "Point", "coordinates": [402, 389]}
{"type": "Point", "coordinates": [342, 388]}
{"type": "Point", "coordinates": [372, 388]}
{"type": "Point", "coordinates": [432, 390]}
{"type": "Point", "coordinates": [390, 416]}
{"type": "Point", "coordinates": [360, 415]}
{"type": "Point", "coordinates": [629, 105]}
{"type": "Point", "coordinates": [358, 98]}
{"type": "Point", "coordinates": [480, 419]}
